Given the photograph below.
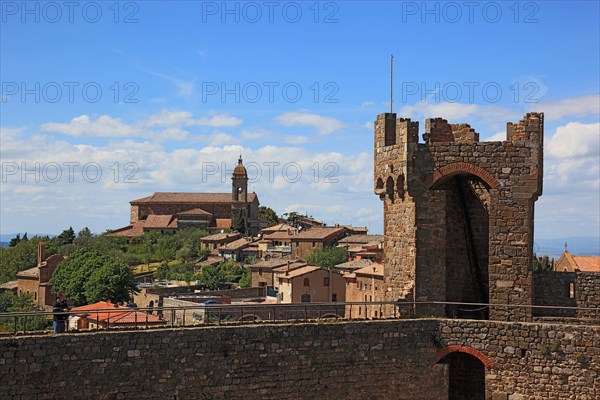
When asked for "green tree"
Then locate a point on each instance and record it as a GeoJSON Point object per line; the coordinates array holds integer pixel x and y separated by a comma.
{"type": "Point", "coordinates": [540, 265]}
{"type": "Point", "coordinates": [66, 237]}
{"type": "Point", "coordinates": [15, 241]}
{"type": "Point", "coordinates": [10, 302]}
{"type": "Point", "coordinates": [269, 215]}
{"type": "Point", "coordinates": [246, 279]}
{"type": "Point", "coordinates": [20, 257]}
{"type": "Point", "coordinates": [25, 238]}
{"type": "Point", "coordinates": [213, 277]}
{"type": "Point", "coordinates": [292, 218]}
{"type": "Point", "coordinates": [89, 276]}
{"type": "Point", "coordinates": [328, 257]}
{"type": "Point", "coordinates": [84, 233]}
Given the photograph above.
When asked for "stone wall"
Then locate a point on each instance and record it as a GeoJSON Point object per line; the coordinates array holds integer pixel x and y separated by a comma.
{"type": "Point", "coordinates": [411, 359]}
{"type": "Point", "coordinates": [567, 289]}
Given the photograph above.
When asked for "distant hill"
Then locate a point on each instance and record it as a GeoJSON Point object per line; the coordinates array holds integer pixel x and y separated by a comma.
{"type": "Point", "coordinates": [577, 245]}
{"type": "Point", "coordinates": [6, 237]}
{"type": "Point", "coordinates": [4, 245]}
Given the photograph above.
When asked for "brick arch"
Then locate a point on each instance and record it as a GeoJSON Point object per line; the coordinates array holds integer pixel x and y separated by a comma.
{"type": "Point", "coordinates": [441, 353]}
{"type": "Point", "coordinates": [462, 168]}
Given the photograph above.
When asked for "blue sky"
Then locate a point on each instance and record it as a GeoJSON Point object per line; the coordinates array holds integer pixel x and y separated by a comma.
{"type": "Point", "coordinates": [179, 94]}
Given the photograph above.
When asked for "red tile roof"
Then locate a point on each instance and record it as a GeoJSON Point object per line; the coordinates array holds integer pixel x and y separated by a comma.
{"type": "Point", "coordinates": [158, 221]}
{"type": "Point", "coordinates": [371, 270]}
{"type": "Point", "coordinates": [322, 233]}
{"type": "Point", "coordinates": [299, 272]}
{"type": "Point", "coordinates": [587, 263]}
{"type": "Point", "coordinates": [235, 245]}
{"type": "Point", "coordinates": [218, 237]}
{"type": "Point", "coordinates": [102, 312]}
{"type": "Point", "coordinates": [182, 197]}
{"type": "Point", "coordinates": [195, 211]}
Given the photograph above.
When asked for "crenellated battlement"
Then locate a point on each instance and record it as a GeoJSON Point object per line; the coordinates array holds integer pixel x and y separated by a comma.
{"type": "Point", "coordinates": [458, 209]}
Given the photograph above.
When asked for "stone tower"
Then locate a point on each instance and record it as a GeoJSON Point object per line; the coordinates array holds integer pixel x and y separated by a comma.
{"type": "Point", "coordinates": [239, 197]}
{"type": "Point", "coordinates": [458, 213]}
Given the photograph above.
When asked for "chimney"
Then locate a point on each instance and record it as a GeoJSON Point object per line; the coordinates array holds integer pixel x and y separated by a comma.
{"type": "Point", "coordinates": [41, 248]}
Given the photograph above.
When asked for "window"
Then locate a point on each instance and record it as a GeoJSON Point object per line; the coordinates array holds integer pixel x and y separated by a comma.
{"type": "Point", "coordinates": [334, 297]}
{"type": "Point", "coordinates": [306, 282]}
{"type": "Point", "coordinates": [260, 271]}
{"type": "Point", "coordinates": [313, 244]}
{"type": "Point", "coordinates": [35, 295]}
{"type": "Point", "coordinates": [326, 281]}
{"type": "Point", "coordinates": [305, 298]}
{"type": "Point", "coordinates": [571, 290]}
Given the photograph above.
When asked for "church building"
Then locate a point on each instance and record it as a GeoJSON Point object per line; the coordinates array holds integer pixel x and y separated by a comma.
{"type": "Point", "coordinates": [168, 211]}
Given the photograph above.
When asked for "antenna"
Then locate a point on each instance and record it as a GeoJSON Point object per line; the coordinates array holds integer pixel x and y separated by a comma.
{"type": "Point", "coordinates": [391, 83]}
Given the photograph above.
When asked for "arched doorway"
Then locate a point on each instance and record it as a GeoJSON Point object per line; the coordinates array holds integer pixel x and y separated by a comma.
{"type": "Point", "coordinates": [305, 298]}
{"type": "Point", "coordinates": [466, 372]}
{"type": "Point", "coordinates": [466, 377]}
{"type": "Point", "coordinates": [468, 201]}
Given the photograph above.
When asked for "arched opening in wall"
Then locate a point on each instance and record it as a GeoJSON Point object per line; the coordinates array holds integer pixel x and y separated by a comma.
{"type": "Point", "coordinates": [466, 377]}
{"type": "Point", "coordinates": [389, 188]}
{"type": "Point", "coordinates": [467, 204]}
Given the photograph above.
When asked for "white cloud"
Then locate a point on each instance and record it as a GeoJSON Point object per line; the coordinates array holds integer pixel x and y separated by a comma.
{"type": "Point", "coordinates": [569, 107]}
{"type": "Point", "coordinates": [257, 134]}
{"type": "Point", "coordinates": [575, 140]}
{"type": "Point", "coordinates": [298, 139]}
{"type": "Point", "coordinates": [217, 121]}
{"type": "Point", "coordinates": [103, 126]}
{"type": "Point", "coordinates": [323, 125]}
{"type": "Point", "coordinates": [163, 125]}
{"type": "Point", "coordinates": [497, 137]}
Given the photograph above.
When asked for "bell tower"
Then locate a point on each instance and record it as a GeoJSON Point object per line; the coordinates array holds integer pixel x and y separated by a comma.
{"type": "Point", "coordinates": [239, 198]}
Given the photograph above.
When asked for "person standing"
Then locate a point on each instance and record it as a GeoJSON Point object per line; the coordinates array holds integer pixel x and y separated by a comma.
{"type": "Point", "coordinates": [60, 316]}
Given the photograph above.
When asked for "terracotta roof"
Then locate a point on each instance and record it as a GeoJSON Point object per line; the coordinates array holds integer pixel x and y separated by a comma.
{"type": "Point", "coordinates": [235, 245]}
{"type": "Point", "coordinates": [10, 285]}
{"type": "Point", "coordinates": [194, 211]}
{"type": "Point", "coordinates": [220, 236]}
{"type": "Point", "coordinates": [190, 197]}
{"type": "Point", "coordinates": [373, 270]}
{"type": "Point", "coordinates": [293, 266]}
{"type": "Point", "coordinates": [223, 223]}
{"type": "Point", "coordinates": [319, 233]}
{"type": "Point", "coordinates": [272, 263]}
{"type": "Point", "coordinates": [299, 272]}
{"type": "Point", "coordinates": [134, 230]}
{"type": "Point", "coordinates": [279, 235]}
{"type": "Point", "coordinates": [120, 315]}
{"type": "Point", "coordinates": [29, 273]}
{"type": "Point", "coordinates": [159, 221]}
{"type": "Point", "coordinates": [587, 263]}
{"type": "Point", "coordinates": [362, 239]}
{"type": "Point", "coordinates": [355, 264]}
{"type": "Point", "coordinates": [276, 228]}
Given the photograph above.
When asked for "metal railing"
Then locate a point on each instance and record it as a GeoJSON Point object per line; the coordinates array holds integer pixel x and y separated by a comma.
{"type": "Point", "coordinates": [222, 314]}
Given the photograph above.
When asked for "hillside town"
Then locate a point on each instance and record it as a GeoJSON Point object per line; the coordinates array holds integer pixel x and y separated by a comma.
{"type": "Point", "coordinates": [323, 200]}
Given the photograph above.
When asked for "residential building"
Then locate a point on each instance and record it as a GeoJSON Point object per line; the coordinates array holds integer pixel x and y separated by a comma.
{"type": "Point", "coordinates": [36, 281]}
{"type": "Point", "coordinates": [303, 242]}
{"type": "Point", "coordinates": [365, 285]}
{"type": "Point", "coordinates": [310, 284]}
{"type": "Point", "coordinates": [214, 242]}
